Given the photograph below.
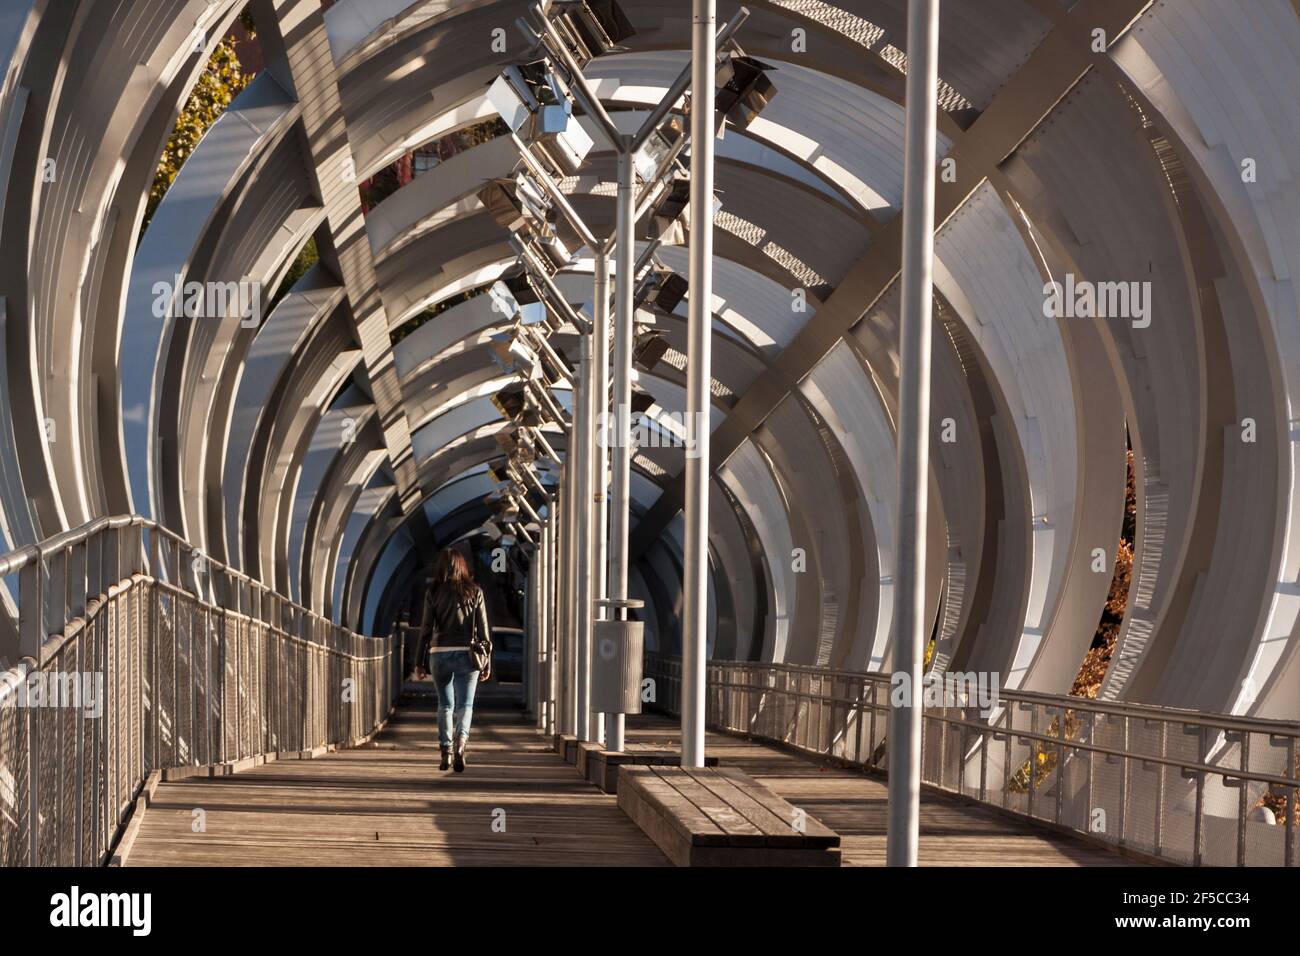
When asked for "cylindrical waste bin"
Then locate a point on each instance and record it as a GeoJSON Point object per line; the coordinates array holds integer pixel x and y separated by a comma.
{"type": "Point", "coordinates": [616, 667]}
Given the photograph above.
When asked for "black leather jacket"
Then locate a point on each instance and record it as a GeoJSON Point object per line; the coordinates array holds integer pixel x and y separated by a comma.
{"type": "Point", "coordinates": [452, 629]}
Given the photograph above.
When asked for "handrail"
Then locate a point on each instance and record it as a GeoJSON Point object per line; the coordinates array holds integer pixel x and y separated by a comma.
{"type": "Point", "coordinates": [188, 663]}
{"type": "Point", "coordinates": [1178, 785]}
{"type": "Point", "coordinates": [1150, 711]}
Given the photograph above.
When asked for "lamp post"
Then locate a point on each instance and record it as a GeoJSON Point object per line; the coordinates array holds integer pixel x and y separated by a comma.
{"type": "Point", "coordinates": [586, 575]}
{"type": "Point", "coordinates": [698, 376]}
{"type": "Point", "coordinates": [913, 425]}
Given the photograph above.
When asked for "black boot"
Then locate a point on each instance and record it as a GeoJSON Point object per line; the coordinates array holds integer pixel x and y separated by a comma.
{"type": "Point", "coordinates": [445, 764]}
{"type": "Point", "coordinates": [460, 755]}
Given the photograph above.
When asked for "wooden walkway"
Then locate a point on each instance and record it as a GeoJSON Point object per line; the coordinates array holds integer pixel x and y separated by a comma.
{"type": "Point", "coordinates": [520, 804]}
{"type": "Point", "coordinates": [388, 804]}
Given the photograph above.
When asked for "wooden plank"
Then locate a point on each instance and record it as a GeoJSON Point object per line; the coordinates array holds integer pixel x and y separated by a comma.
{"type": "Point", "coordinates": [738, 830]}
{"type": "Point", "coordinates": [747, 793]}
{"type": "Point", "coordinates": [690, 821]}
{"type": "Point", "coordinates": [660, 828]}
{"type": "Point", "coordinates": [774, 816]}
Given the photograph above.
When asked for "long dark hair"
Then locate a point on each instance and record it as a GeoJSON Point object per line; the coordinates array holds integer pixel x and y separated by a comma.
{"type": "Point", "coordinates": [453, 584]}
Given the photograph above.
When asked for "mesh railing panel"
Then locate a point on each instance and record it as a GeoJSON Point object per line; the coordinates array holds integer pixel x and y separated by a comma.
{"type": "Point", "coordinates": [154, 676]}
{"type": "Point", "coordinates": [1184, 787]}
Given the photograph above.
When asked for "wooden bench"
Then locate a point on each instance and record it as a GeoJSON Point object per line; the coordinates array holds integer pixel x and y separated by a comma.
{"type": "Point", "coordinates": [720, 816]}
{"type": "Point", "coordinates": [602, 766]}
{"type": "Point", "coordinates": [566, 745]}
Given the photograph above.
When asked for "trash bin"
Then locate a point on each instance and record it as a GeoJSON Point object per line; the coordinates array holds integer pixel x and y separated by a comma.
{"type": "Point", "coordinates": [616, 651]}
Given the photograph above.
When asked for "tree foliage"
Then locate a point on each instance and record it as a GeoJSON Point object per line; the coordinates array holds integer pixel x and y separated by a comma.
{"type": "Point", "coordinates": [1093, 670]}
{"type": "Point", "coordinates": [1087, 683]}
{"type": "Point", "coordinates": [218, 84]}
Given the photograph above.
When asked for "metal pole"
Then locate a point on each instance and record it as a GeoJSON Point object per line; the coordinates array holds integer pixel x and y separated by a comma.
{"type": "Point", "coordinates": [533, 641]}
{"type": "Point", "coordinates": [552, 629]}
{"type": "Point", "coordinates": [582, 439]}
{"type": "Point", "coordinates": [913, 425]}
{"type": "Point", "coordinates": [540, 651]}
{"type": "Point", "coordinates": [568, 712]}
{"type": "Point", "coordinates": [573, 556]}
{"type": "Point", "coordinates": [612, 723]}
{"type": "Point", "coordinates": [624, 266]}
{"type": "Point", "coordinates": [695, 595]}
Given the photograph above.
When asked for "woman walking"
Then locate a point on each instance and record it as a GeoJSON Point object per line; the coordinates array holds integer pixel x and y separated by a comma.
{"type": "Point", "coordinates": [455, 631]}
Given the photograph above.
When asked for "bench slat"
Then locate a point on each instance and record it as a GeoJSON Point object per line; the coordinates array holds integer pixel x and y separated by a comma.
{"type": "Point", "coordinates": [694, 825]}
{"type": "Point", "coordinates": [776, 832]}
{"type": "Point", "coordinates": [815, 832]}
{"type": "Point", "coordinates": [704, 817]}
{"type": "Point", "coordinates": [739, 831]}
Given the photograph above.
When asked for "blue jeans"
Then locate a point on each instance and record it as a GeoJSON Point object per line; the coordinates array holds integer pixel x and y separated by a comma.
{"type": "Point", "coordinates": [456, 679]}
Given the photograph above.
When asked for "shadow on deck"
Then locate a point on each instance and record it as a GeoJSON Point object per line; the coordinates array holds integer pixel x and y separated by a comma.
{"type": "Point", "coordinates": [387, 804]}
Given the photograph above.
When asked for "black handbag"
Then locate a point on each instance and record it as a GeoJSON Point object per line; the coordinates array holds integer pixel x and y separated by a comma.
{"type": "Point", "coordinates": [480, 644]}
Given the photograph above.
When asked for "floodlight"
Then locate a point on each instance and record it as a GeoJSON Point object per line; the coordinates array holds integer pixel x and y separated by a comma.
{"type": "Point", "coordinates": [658, 148]}
{"type": "Point", "coordinates": [641, 401]}
{"type": "Point", "coordinates": [517, 442]}
{"type": "Point", "coordinates": [668, 219]}
{"type": "Point", "coordinates": [592, 27]}
{"type": "Point", "coordinates": [522, 90]}
{"type": "Point", "coordinates": [528, 96]}
{"type": "Point", "coordinates": [515, 297]}
{"type": "Point", "coordinates": [499, 469]}
{"type": "Point", "coordinates": [512, 354]}
{"type": "Point", "coordinates": [503, 506]}
{"type": "Point", "coordinates": [558, 135]}
{"type": "Point", "coordinates": [744, 89]}
{"type": "Point", "coordinates": [661, 289]}
{"type": "Point", "coordinates": [648, 348]}
{"type": "Point", "coordinates": [512, 401]}
{"type": "Point", "coordinates": [498, 198]}
{"type": "Point", "coordinates": [517, 204]}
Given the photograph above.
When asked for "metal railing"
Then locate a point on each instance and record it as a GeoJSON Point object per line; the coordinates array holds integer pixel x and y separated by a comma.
{"type": "Point", "coordinates": [1179, 785]}
{"type": "Point", "coordinates": [139, 653]}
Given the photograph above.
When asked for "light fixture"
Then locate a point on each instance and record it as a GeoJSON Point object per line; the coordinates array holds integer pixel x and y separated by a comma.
{"type": "Point", "coordinates": [513, 354]}
{"type": "Point", "coordinates": [667, 220]}
{"type": "Point", "coordinates": [659, 147]}
{"type": "Point", "coordinates": [517, 442]}
{"type": "Point", "coordinates": [548, 253]}
{"type": "Point", "coordinates": [744, 89]}
{"type": "Point", "coordinates": [514, 296]}
{"type": "Point", "coordinates": [648, 348]}
{"type": "Point", "coordinates": [515, 403]}
{"type": "Point", "coordinates": [504, 508]}
{"type": "Point", "coordinates": [592, 27]}
{"type": "Point", "coordinates": [661, 289]}
{"type": "Point", "coordinates": [642, 401]}
{"type": "Point", "coordinates": [498, 469]}
{"type": "Point", "coordinates": [530, 100]}
{"type": "Point", "coordinates": [517, 204]}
